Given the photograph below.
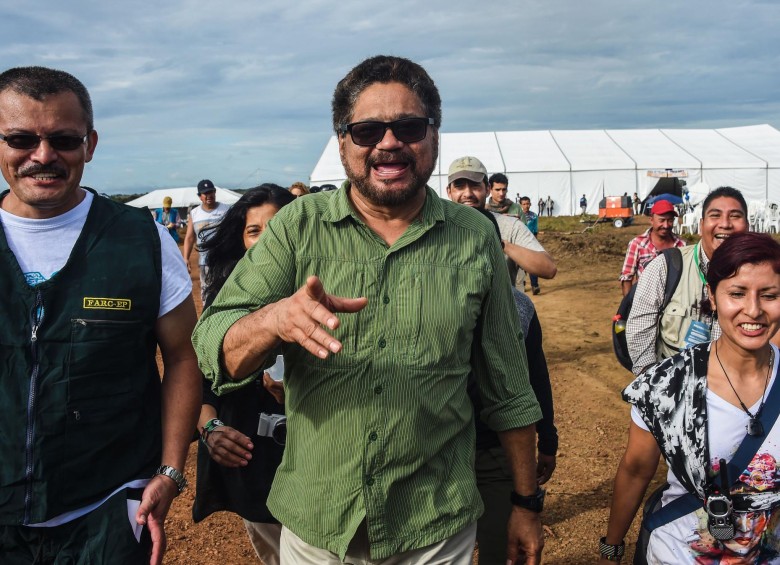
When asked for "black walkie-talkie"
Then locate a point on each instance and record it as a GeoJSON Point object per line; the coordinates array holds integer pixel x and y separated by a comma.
{"type": "Point", "coordinates": [720, 511]}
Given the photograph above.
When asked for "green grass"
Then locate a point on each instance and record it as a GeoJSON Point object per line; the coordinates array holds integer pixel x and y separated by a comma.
{"type": "Point", "coordinates": [568, 223]}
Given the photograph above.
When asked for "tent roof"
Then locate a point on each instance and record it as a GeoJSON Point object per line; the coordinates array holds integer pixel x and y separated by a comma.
{"type": "Point", "coordinates": [532, 151]}
{"type": "Point", "coordinates": [750, 147]}
{"type": "Point", "coordinates": [762, 141]}
{"type": "Point", "coordinates": [182, 197]}
{"type": "Point", "coordinates": [713, 150]}
{"type": "Point", "coordinates": [482, 145]}
{"type": "Point", "coordinates": [651, 149]}
{"type": "Point", "coordinates": [329, 169]}
{"type": "Point", "coordinates": [591, 150]}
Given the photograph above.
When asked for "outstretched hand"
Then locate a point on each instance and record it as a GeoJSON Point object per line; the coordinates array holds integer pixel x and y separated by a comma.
{"type": "Point", "coordinates": [301, 317]}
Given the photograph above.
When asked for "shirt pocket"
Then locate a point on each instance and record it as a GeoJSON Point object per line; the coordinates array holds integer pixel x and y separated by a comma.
{"type": "Point", "coordinates": [408, 314]}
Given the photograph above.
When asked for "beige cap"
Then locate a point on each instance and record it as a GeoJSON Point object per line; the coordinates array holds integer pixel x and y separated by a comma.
{"type": "Point", "coordinates": [469, 168]}
{"type": "Point", "coordinates": [167, 201]}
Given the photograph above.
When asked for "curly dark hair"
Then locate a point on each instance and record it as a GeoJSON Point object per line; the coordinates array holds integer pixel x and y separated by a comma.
{"type": "Point", "coordinates": [225, 241]}
{"type": "Point", "coordinates": [384, 69]}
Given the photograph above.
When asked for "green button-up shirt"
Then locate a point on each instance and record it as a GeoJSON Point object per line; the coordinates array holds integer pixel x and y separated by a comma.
{"type": "Point", "coordinates": [383, 430]}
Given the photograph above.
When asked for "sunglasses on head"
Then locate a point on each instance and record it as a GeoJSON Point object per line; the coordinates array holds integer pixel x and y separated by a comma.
{"type": "Point", "coordinates": [29, 141]}
{"type": "Point", "coordinates": [405, 130]}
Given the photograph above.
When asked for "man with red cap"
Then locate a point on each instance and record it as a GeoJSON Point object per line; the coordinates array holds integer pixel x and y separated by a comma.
{"type": "Point", "coordinates": [643, 248]}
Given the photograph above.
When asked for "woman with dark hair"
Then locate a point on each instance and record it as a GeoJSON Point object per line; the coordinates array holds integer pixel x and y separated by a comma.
{"type": "Point", "coordinates": [711, 412]}
{"type": "Point", "coordinates": [234, 471]}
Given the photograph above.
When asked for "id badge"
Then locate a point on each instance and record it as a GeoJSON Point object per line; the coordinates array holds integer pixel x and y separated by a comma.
{"type": "Point", "coordinates": [698, 332]}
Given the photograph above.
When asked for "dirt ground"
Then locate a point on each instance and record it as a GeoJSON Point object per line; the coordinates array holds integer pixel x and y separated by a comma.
{"type": "Point", "coordinates": [575, 310]}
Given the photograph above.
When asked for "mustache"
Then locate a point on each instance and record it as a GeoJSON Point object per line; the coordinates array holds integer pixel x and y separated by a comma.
{"type": "Point", "coordinates": [39, 168]}
{"type": "Point", "coordinates": [390, 157]}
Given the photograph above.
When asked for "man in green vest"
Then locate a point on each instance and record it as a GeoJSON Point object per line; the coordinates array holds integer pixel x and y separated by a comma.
{"type": "Point", "coordinates": [93, 444]}
{"type": "Point", "coordinates": [653, 333]}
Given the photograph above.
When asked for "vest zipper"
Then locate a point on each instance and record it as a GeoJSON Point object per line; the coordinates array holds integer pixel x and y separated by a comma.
{"type": "Point", "coordinates": [36, 317]}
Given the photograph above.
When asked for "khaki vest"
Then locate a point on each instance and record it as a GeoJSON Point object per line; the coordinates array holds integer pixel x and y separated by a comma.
{"type": "Point", "coordinates": [683, 308]}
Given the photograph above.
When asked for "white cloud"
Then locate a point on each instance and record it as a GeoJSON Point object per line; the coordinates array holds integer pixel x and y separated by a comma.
{"type": "Point", "coordinates": [240, 92]}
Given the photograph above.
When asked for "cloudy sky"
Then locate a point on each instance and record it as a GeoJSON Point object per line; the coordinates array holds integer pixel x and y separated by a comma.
{"type": "Point", "coordinates": [239, 91]}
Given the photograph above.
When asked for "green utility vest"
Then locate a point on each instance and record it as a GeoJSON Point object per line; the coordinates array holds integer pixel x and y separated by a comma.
{"type": "Point", "coordinates": [683, 308]}
{"type": "Point", "coordinates": [79, 385]}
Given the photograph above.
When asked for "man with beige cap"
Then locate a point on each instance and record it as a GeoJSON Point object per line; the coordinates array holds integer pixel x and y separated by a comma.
{"type": "Point", "coordinates": [467, 184]}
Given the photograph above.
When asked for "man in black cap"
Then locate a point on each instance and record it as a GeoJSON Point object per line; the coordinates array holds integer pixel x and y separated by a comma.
{"type": "Point", "coordinates": [209, 212]}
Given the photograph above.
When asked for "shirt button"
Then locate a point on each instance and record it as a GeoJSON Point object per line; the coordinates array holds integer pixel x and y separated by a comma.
{"type": "Point", "coordinates": [369, 481]}
{"type": "Point", "coordinates": [382, 343]}
{"type": "Point", "coordinates": [386, 300]}
{"type": "Point", "coordinates": [378, 389]}
{"type": "Point", "coordinates": [372, 436]}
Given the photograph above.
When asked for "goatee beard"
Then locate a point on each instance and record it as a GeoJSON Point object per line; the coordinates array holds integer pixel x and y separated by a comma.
{"type": "Point", "coordinates": [388, 197]}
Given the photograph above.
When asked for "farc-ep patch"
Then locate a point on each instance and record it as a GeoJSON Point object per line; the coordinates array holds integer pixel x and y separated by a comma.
{"type": "Point", "coordinates": [107, 303]}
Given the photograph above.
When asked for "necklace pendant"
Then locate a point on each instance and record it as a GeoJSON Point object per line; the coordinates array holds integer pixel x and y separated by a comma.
{"type": "Point", "coordinates": [755, 428]}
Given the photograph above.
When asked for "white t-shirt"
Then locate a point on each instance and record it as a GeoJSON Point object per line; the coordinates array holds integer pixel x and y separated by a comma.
{"type": "Point", "coordinates": [41, 254]}
{"type": "Point", "coordinates": [202, 219]}
{"type": "Point", "coordinates": [686, 540]}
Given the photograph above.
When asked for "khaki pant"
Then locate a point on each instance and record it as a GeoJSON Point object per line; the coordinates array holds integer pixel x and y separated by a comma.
{"type": "Point", "coordinates": [455, 550]}
{"type": "Point", "coordinates": [265, 540]}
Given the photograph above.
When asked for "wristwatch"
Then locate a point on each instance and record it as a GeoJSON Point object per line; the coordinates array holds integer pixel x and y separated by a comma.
{"type": "Point", "coordinates": [535, 502]}
{"type": "Point", "coordinates": [611, 552]}
{"type": "Point", "coordinates": [171, 473]}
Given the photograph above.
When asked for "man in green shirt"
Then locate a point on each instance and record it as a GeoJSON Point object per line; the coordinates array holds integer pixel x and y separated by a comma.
{"type": "Point", "coordinates": [379, 458]}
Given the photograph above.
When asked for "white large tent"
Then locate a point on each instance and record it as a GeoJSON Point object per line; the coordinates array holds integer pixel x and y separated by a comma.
{"type": "Point", "coordinates": [597, 163]}
{"type": "Point", "coordinates": [183, 197]}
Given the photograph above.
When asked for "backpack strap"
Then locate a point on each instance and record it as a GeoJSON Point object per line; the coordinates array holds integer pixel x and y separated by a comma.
{"type": "Point", "coordinates": [674, 268]}
{"type": "Point", "coordinates": [750, 445]}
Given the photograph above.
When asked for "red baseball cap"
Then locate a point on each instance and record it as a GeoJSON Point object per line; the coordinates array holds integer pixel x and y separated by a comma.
{"type": "Point", "coordinates": [663, 207]}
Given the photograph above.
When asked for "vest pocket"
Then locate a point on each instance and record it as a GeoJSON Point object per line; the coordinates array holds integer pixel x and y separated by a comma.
{"type": "Point", "coordinates": [102, 357]}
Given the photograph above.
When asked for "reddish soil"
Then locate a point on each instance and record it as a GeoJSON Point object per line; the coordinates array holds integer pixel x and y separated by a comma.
{"type": "Point", "coordinates": [575, 310]}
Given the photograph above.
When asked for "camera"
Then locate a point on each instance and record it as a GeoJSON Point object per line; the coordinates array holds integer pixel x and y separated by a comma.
{"type": "Point", "coordinates": [273, 426]}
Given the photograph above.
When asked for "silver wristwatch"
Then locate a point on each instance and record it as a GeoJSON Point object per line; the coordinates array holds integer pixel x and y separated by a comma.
{"type": "Point", "coordinates": [176, 476]}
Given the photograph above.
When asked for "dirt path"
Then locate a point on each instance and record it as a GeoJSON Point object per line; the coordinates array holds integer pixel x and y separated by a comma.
{"type": "Point", "coordinates": [575, 310]}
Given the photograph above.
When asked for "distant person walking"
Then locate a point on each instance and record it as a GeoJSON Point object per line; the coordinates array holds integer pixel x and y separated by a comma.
{"type": "Point", "coordinates": [208, 213]}
{"type": "Point", "coordinates": [583, 204]}
{"type": "Point", "coordinates": [550, 205]}
{"type": "Point", "coordinates": [168, 217]}
{"type": "Point", "coordinates": [637, 204]}
{"type": "Point", "coordinates": [541, 206]}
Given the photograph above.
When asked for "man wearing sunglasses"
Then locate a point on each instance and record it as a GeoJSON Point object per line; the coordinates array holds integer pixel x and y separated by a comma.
{"type": "Point", "coordinates": [93, 446]}
{"type": "Point", "coordinates": [383, 298]}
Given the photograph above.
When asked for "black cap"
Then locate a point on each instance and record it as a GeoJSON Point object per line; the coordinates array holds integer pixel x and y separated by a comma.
{"type": "Point", "coordinates": [205, 186]}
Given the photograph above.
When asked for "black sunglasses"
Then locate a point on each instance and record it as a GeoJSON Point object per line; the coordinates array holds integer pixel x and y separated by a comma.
{"type": "Point", "coordinates": [405, 130]}
{"type": "Point", "coordinates": [29, 141]}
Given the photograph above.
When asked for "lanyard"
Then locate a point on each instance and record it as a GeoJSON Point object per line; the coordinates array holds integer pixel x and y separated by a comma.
{"type": "Point", "coordinates": [698, 264]}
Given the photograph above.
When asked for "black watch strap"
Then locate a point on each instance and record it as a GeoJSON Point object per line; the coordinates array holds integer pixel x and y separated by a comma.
{"type": "Point", "coordinates": [535, 502]}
